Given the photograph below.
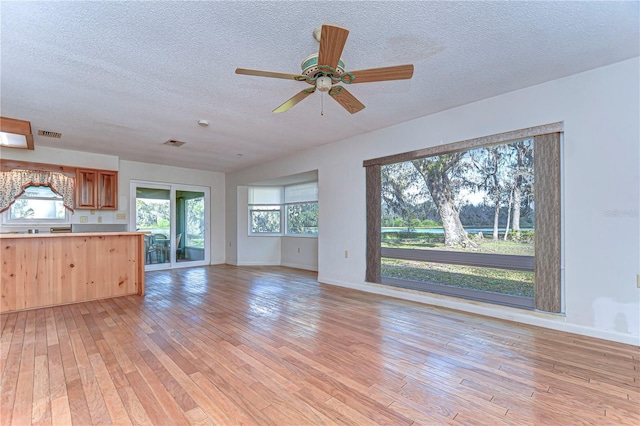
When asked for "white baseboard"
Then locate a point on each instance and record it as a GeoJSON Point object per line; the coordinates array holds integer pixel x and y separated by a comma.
{"type": "Point", "coordinates": [535, 318]}
{"type": "Point", "coordinates": [300, 266]}
{"type": "Point", "coordinates": [257, 263]}
{"type": "Point", "coordinates": [289, 265]}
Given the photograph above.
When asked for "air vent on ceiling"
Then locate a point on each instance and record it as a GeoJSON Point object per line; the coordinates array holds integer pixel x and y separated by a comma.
{"type": "Point", "coordinates": [175, 143]}
{"type": "Point", "coordinates": [49, 134]}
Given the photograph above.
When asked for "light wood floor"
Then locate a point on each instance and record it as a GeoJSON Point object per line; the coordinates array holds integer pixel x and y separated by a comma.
{"type": "Point", "coordinates": [270, 346]}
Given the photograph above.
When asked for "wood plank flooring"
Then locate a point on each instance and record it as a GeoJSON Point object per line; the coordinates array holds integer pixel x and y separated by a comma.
{"type": "Point", "coordinates": [228, 345]}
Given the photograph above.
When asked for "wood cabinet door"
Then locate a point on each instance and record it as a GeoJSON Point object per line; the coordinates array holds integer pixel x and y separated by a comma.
{"type": "Point", "coordinates": [86, 189]}
{"type": "Point", "coordinates": [108, 190]}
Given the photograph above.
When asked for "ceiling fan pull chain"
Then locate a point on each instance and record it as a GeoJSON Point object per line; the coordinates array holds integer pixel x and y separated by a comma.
{"type": "Point", "coordinates": [321, 103]}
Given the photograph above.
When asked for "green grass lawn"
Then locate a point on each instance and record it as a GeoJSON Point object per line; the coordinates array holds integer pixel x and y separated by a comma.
{"type": "Point", "coordinates": [485, 245]}
{"type": "Point", "coordinates": [517, 283]}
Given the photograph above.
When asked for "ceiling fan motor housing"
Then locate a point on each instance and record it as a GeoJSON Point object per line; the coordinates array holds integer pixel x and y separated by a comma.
{"type": "Point", "coordinates": [311, 70]}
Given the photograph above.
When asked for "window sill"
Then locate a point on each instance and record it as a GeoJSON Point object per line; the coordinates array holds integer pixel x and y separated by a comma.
{"type": "Point", "coordinates": [462, 304]}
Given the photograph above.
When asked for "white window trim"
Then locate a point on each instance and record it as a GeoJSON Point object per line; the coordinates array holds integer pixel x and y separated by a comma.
{"type": "Point", "coordinates": [284, 231]}
{"type": "Point", "coordinates": [286, 222]}
{"type": "Point", "coordinates": [6, 216]}
{"type": "Point", "coordinates": [252, 208]}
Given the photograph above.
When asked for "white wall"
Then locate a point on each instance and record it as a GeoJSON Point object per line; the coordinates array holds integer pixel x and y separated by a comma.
{"type": "Point", "coordinates": [263, 250]}
{"type": "Point", "coordinates": [600, 109]}
{"type": "Point", "coordinates": [299, 252]}
{"type": "Point", "coordinates": [43, 154]}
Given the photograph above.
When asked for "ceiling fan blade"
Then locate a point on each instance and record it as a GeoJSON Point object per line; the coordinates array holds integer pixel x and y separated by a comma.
{"type": "Point", "coordinates": [332, 40]}
{"type": "Point", "coordinates": [271, 74]}
{"type": "Point", "coordinates": [346, 99]}
{"type": "Point", "coordinates": [294, 100]}
{"type": "Point", "coordinates": [399, 72]}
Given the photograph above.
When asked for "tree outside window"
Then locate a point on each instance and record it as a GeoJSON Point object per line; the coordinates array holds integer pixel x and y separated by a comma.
{"type": "Point", "coordinates": [37, 204]}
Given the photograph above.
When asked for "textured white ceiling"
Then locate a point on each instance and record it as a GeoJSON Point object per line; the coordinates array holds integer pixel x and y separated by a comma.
{"type": "Point", "coordinates": [121, 78]}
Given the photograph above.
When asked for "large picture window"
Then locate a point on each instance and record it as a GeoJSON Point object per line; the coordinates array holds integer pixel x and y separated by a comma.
{"type": "Point", "coordinates": [477, 219]}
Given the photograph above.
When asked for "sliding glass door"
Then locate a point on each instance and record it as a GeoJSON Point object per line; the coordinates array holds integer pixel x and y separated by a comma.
{"type": "Point", "coordinates": [152, 214]}
{"type": "Point", "coordinates": [190, 226]}
{"type": "Point", "coordinates": [176, 220]}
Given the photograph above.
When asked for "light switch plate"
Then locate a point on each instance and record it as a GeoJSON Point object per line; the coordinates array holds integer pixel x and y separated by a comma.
{"type": "Point", "coordinates": [84, 219]}
{"type": "Point", "coordinates": [121, 216]}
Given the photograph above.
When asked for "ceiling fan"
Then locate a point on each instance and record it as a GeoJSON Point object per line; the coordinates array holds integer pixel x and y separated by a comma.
{"type": "Point", "coordinates": [325, 69]}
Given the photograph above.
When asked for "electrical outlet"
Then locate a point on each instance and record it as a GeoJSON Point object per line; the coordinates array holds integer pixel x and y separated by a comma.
{"type": "Point", "coordinates": [121, 216]}
{"type": "Point", "coordinates": [346, 254]}
{"type": "Point", "coordinates": [99, 219]}
{"type": "Point", "coordinates": [92, 212]}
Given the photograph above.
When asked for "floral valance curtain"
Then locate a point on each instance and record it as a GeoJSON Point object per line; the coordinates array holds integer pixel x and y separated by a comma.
{"type": "Point", "coordinates": [13, 183]}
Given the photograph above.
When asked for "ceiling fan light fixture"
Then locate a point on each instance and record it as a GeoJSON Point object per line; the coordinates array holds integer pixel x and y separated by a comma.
{"type": "Point", "coordinates": [317, 33]}
{"type": "Point", "coordinates": [324, 83]}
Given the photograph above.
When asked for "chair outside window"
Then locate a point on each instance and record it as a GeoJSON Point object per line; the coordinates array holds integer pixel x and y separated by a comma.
{"type": "Point", "coordinates": [161, 244]}
{"type": "Point", "coordinates": [157, 248]}
{"type": "Point", "coordinates": [151, 254]}
{"type": "Point", "coordinates": [179, 250]}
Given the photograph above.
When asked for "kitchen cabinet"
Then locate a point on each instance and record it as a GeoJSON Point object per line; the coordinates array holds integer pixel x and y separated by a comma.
{"type": "Point", "coordinates": [96, 189]}
{"type": "Point", "coordinates": [107, 190]}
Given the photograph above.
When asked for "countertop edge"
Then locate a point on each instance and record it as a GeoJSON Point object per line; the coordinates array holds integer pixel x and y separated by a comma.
{"type": "Point", "coordinates": [69, 234]}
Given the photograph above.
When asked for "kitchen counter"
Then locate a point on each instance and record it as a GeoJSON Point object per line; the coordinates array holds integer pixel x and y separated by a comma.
{"type": "Point", "coordinates": [8, 235]}
{"type": "Point", "coordinates": [49, 269]}
{"type": "Point", "coordinates": [4, 235]}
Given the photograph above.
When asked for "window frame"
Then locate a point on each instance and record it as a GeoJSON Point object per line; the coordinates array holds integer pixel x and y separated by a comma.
{"type": "Point", "coordinates": [287, 232]}
{"type": "Point", "coordinates": [187, 240]}
{"type": "Point", "coordinates": [6, 215]}
{"type": "Point", "coordinates": [282, 208]}
{"type": "Point", "coordinates": [548, 262]}
{"type": "Point", "coordinates": [256, 208]}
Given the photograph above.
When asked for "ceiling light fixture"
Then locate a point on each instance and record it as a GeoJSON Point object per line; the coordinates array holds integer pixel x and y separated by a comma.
{"type": "Point", "coordinates": [15, 133]}
{"type": "Point", "coordinates": [203, 123]}
{"type": "Point", "coordinates": [324, 83]}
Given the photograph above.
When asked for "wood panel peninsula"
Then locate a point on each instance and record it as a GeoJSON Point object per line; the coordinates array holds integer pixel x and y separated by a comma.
{"type": "Point", "coordinates": [55, 269]}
